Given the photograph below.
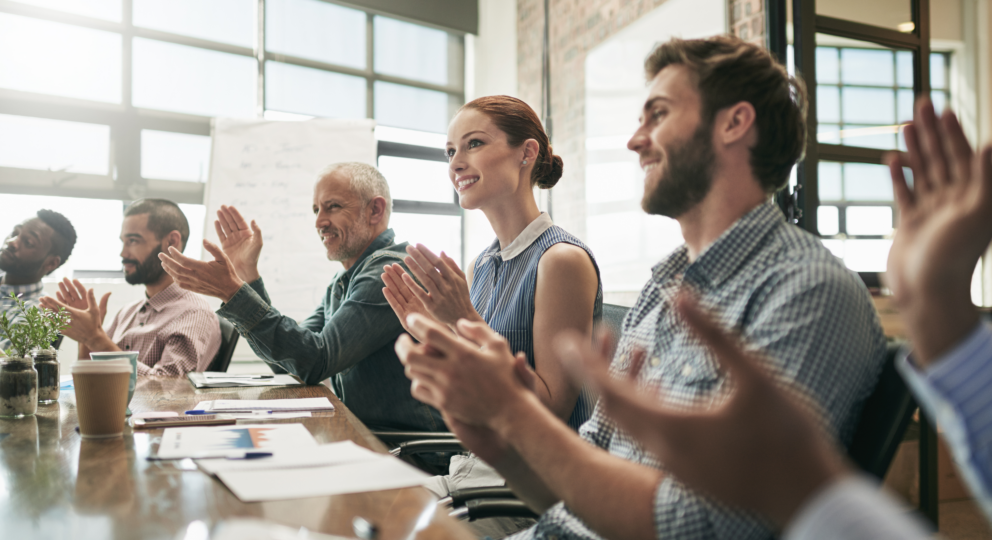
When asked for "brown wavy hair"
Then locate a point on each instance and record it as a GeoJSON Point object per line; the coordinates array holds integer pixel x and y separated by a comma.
{"type": "Point", "coordinates": [520, 122]}
{"type": "Point", "coordinates": [728, 70]}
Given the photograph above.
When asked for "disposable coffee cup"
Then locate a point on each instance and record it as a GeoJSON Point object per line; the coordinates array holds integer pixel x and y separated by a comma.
{"type": "Point", "coordinates": [130, 356]}
{"type": "Point", "coordinates": [101, 397]}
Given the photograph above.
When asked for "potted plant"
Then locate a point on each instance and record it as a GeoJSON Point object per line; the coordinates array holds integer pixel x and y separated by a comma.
{"type": "Point", "coordinates": [35, 331]}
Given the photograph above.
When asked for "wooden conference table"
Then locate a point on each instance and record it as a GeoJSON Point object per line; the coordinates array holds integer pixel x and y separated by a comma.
{"type": "Point", "coordinates": [53, 484]}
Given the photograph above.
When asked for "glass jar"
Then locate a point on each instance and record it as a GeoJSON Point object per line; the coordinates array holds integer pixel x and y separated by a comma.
{"type": "Point", "coordinates": [46, 363]}
{"type": "Point", "coordinates": [18, 388]}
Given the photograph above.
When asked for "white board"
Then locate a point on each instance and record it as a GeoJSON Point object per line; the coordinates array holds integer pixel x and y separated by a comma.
{"type": "Point", "coordinates": [266, 169]}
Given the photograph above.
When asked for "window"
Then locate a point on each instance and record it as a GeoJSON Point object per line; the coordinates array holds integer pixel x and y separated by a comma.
{"type": "Point", "coordinates": [76, 118]}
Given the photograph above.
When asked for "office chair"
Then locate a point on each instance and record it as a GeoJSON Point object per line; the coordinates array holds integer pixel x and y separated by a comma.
{"type": "Point", "coordinates": [228, 340]}
{"type": "Point", "coordinates": [886, 415]}
{"type": "Point", "coordinates": [58, 342]}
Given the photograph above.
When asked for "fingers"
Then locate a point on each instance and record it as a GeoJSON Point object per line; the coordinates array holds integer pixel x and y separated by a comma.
{"type": "Point", "coordinates": [237, 218]}
{"type": "Point", "coordinates": [212, 248]}
{"type": "Point", "coordinates": [905, 200]}
{"type": "Point", "coordinates": [80, 291]}
{"type": "Point", "coordinates": [93, 307]}
{"type": "Point", "coordinates": [917, 161]}
{"type": "Point", "coordinates": [452, 265]}
{"type": "Point", "coordinates": [436, 335]}
{"type": "Point", "coordinates": [956, 147]}
{"type": "Point", "coordinates": [51, 303]}
{"type": "Point", "coordinates": [524, 372]}
{"type": "Point", "coordinates": [480, 334]}
{"type": "Point", "coordinates": [172, 266]}
{"type": "Point", "coordinates": [256, 229]}
{"type": "Point", "coordinates": [399, 308]}
{"type": "Point", "coordinates": [391, 276]}
{"type": "Point", "coordinates": [227, 220]}
{"type": "Point", "coordinates": [412, 286]}
{"type": "Point", "coordinates": [422, 267]}
{"type": "Point", "coordinates": [926, 119]}
{"type": "Point", "coordinates": [221, 233]}
{"type": "Point", "coordinates": [103, 304]}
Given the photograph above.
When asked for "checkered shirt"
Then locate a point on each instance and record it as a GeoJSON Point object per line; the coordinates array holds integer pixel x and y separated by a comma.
{"type": "Point", "coordinates": [786, 295]}
{"type": "Point", "coordinates": [174, 331]}
{"type": "Point", "coordinates": [29, 294]}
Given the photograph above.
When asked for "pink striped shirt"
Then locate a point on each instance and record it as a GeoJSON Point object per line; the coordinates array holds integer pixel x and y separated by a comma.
{"type": "Point", "coordinates": [174, 331]}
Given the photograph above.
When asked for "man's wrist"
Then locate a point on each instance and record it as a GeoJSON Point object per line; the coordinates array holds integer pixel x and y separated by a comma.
{"type": "Point", "coordinates": [233, 290]}
{"type": "Point", "coordinates": [936, 324]}
{"type": "Point", "coordinates": [513, 417]}
{"type": "Point", "coordinates": [100, 342]}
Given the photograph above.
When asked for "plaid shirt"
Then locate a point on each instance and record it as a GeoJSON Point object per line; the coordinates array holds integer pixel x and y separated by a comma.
{"type": "Point", "coordinates": [786, 295]}
{"type": "Point", "coordinates": [29, 294]}
{"type": "Point", "coordinates": [175, 332]}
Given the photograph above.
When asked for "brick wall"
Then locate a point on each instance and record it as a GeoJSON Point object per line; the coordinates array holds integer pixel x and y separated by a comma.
{"type": "Point", "coordinates": [576, 27]}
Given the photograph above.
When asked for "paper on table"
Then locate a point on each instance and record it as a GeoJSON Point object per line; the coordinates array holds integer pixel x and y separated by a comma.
{"type": "Point", "coordinates": [262, 417]}
{"type": "Point", "coordinates": [385, 472]}
{"type": "Point", "coordinates": [237, 405]}
{"type": "Point", "coordinates": [260, 529]}
{"type": "Point", "coordinates": [326, 454]}
{"type": "Point", "coordinates": [224, 441]}
{"type": "Point", "coordinates": [213, 379]}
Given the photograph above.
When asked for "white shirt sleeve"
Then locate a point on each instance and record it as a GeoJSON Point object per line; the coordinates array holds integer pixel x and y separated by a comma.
{"type": "Point", "coordinates": [855, 509]}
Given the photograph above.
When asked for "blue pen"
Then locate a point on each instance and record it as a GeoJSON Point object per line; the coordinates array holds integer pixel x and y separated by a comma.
{"type": "Point", "coordinates": [251, 455]}
{"type": "Point", "coordinates": [198, 411]}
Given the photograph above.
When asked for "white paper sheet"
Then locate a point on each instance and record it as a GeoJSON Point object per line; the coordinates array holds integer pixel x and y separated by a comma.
{"type": "Point", "coordinates": [247, 405]}
{"type": "Point", "coordinates": [323, 455]}
{"type": "Point", "coordinates": [211, 379]}
{"type": "Point", "coordinates": [385, 472]}
{"type": "Point", "coordinates": [231, 441]}
{"type": "Point", "coordinates": [262, 416]}
{"type": "Point", "coordinates": [260, 529]}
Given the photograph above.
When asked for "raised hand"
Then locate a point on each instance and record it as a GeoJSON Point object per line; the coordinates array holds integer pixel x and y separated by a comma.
{"type": "Point", "coordinates": [401, 298]}
{"type": "Point", "coordinates": [86, 326]}
{"type": "Point", "coordinates": [761, 449]}
{"type": "Point", "coordinates": [215, 278]}
{"type": "Point", "coordinates": [447, 298]}
{"type": "Point", "coordinates": [242, 244]}
{"type": "Point", "coordinates": [945, 225]}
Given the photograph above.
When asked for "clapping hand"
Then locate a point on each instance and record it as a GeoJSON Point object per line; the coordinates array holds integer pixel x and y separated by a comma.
{"type": "Point", "coordinates": [401, 298]}
{"type": "Point", "coordinates": [215, 278]}
{"type": "Point", "coordinates": [87, 315]}
{"type": "Point", "coordinates": [446, 298]}
{"type": "Point", "coordinates": [241, 244]}
{"type": "Point", "coordinates": [945, 224]}
{"type": "Point", "coordinates": [760, 449]}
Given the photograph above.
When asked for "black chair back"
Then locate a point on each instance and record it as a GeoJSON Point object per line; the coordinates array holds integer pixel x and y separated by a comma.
{"type": "Point", "coordinates": [884, 419]}
{"type": "Point", "coordinates": [613, 319]}
{"type": "Point", "coordinates": [228, 340]}
{"type": "Point", "coordinates": [58, 342]}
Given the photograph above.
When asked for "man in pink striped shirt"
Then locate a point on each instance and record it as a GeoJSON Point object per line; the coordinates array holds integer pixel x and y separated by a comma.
{"type": "Point", "coordinates": [174, 330]}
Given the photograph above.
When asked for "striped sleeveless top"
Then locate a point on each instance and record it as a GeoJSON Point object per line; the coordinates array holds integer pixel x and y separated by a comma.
{"type": "Point", "coordinates": [503, 289]}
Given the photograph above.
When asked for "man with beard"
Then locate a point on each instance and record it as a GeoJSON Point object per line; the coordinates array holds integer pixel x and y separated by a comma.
{"type": "Point", "coordinates": [173, 330]}
{"type": "Point", "coordinates": [33, 250]}
{"type": "Point", "coordinates": [350, 336]}
{"type": "Point", "coordinates": [721, 129]}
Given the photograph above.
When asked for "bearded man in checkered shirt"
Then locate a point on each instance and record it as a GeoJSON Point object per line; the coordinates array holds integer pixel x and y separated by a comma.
{"type": "Point", "coordinates": [719, 133]}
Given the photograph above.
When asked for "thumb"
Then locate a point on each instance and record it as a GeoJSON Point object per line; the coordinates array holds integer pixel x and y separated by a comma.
{"type": "Point", "coordinates": [256, 230]}
{"type": "Point", "coordinates": [478, 333]}
{"type": "Point", "coordinates": [91, 298]}
{"type": "Point", "coordinates": [219, 255]}
{"type": "Point", "coordinates": [524, 371]}
{"type": "Point", "coordinates": [103, 303]}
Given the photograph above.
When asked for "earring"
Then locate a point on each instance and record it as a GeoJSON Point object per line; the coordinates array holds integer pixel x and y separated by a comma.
{"type": "Point", "coordinates": [525, 162]}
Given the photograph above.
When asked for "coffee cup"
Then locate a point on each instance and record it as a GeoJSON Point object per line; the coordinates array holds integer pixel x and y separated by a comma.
{"type": "Point", "coordinates": [101, 397]}
{"type": "Point", "coordinates": [130, 356]}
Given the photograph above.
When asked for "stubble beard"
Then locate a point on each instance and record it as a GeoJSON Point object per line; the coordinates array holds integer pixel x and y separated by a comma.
{"type": "Point", "coordinates": [686, 178]}
{"type": "Point", "coordinates": [357, 239]}
{"type": "Point", "coordinates": [148, 271]}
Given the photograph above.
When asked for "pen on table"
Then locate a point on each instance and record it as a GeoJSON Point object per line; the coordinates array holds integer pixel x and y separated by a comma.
{"type": "Point", "coordinates": [200, 411]}
{"type": "Point", "coordinates": [244, 377]}
{"type": "Point", "coordinates": [246, 455]}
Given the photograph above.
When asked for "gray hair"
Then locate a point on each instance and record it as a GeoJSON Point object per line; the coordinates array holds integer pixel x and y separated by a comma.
{"type": "Point", "coordinates": [366, 180]}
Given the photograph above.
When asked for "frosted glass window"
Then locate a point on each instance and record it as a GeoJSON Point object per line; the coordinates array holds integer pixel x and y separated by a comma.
{"type": "Point", "coordinates": [59, 59]}
{"type": "Point", "coordinates": [904, 68]}
{"type": "Point", "coordinates": [417, 179]}
{"type": "Point", "coordinates": [97, 223]}
{"type": "Point", "coordinates": [56, 145]}
{"type": "Point", "coordinates": [411, 108]}
{"type": "Point", "coordinates": [828, 133]}
{"type": "Point", "coordinates": [868, 106]}
{"type": "Point", "coordinates": [869, 220]}
{"type": "Point", "coordinates": [316, 30]}
{"type": "Point", "coordinates": [194, 81]}
{"type": "Point", "coordinates": [226, 21]}
{"type": "Point", "coordinates": [869, 67]}
{"type": "Point", "coordinates": [866, 255]}
{"type": "Point", "coordinates": [610, 182]}
{"type": "Point", "coordinates": [827, 65]}
{"type": "Point", "coordinates": [828, 220]}
{"type": "Point", "coordinates": [174, 156]}
{"type": "Point", "coordinates": [828, 178]}
{"type": "Point", "coordinates": [867, 182]}
{"type": "Point", "coordinates": [883, 137]}
{"type": "Point", "coordinates": [438, 233]}
{"type": "Point", "coordinates": [938, 71]}
{"type": "Point", "coordinates": [827, 104]}
{"type": "Point", "coordinates": [411, 51]}
{"type": "Point", "coordinates": [109, 10]}
{"type": "Point", "coordinates": [314, 92]}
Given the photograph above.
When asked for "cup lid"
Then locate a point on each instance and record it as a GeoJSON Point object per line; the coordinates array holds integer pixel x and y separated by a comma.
{"type": "Point", "coordinates": [106, 366]}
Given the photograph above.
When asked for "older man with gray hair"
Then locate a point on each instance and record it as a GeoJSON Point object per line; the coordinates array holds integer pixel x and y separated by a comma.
{"type": "Point", "coordinates": [349, 337]}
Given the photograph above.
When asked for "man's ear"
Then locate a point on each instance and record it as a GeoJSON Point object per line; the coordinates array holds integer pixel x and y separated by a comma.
{"type": "Point", "coordinates": [378, 210]}
{"type": "Point", "coordinates": [51, 263]}
{"type": "Point", "coordinates": [173, 239]}
{"type": "Point", "coordinates": [736, 123]}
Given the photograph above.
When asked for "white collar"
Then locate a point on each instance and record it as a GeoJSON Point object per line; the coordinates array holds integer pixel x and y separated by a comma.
{"type": "Point", "coordinates": [527, 236]}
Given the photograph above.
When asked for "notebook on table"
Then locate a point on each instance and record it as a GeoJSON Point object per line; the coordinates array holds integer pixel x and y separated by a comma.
{"type": "Point", "coordinates": [216, 379]}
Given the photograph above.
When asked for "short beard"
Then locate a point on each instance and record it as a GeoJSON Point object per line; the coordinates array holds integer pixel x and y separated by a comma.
{"type": "Point", "coordinates": [22, 269]}
{"type": "Point", "coordinates": [358, 240]}
{"type": "Point", "coordinates": [687, 176]}
{"type": "Point", "coordinates": [148, 271]}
